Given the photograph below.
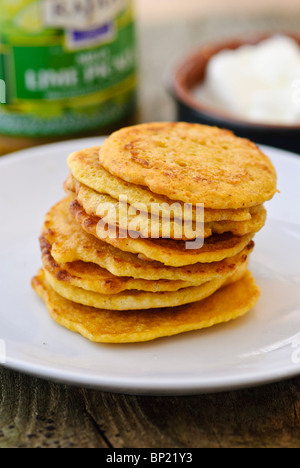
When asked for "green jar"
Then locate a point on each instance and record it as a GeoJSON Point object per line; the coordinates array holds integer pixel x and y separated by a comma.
{"type": "Point", "coordinates": [67, 67]}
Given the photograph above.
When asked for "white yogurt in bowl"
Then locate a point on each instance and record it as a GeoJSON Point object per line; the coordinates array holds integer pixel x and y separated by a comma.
{"type": "Point", "coordinates": [259, 83]}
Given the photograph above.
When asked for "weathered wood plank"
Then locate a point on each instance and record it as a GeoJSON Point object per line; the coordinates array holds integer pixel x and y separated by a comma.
{"type": "Point", "coordinates": [35, 413]}
{"type": "Point", "coordinates": [259, 417]}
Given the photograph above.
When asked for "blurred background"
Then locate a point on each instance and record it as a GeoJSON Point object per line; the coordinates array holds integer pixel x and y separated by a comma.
{"type": "Point", "coordinates": [169, 29]}
{"type": "Point", "coordinates": [158, 10]}
{"type": "Point", "coordinates": [167, 32]}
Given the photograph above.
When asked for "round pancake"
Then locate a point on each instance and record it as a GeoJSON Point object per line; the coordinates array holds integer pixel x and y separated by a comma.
{"type": "Point", "coordinates": [86, 169]}
{"type": "Point", "coordinates": [92, 277]}
{"type": "Point", "coordinates": [70, 243]}
{"type": "Point", "coordinates": [125, 217]}
{"type": "Point", "coordinates": [85, 281]}
{"type": "Point", "coordinates": [240, 228]}
{"type": "Point", "coordinates": [134, 300]}
{"type": "Point", "coordinates": [104, 326]}
{"type": "Point", "coordinates": [192, 163]}
{"type": "Point", "coordinates": [170, 252]}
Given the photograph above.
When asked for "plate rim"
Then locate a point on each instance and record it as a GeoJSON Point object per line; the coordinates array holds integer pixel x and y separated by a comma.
{"type": "Point", "coordinates": [147, 387]}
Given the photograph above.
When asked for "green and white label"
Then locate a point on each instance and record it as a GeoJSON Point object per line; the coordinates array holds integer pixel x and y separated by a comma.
{"type": "Point", "coordinates": [68, 77]}
{"type": "Point", "coordinates": [2, 92]}
{"type": "Point", "coordinates": [82, 14]}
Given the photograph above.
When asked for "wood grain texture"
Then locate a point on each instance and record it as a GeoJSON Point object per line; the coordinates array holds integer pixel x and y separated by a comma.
{"type": "Point", "coordinates": [39, 414]}
{"type": "Point", "coordinates": [36, 413]}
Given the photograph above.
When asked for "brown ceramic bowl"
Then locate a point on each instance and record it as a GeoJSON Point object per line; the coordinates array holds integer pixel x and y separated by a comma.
{"type": "Point", "coordinates": [190, 73]}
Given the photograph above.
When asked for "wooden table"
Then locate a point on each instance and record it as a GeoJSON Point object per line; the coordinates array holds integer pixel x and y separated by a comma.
{"type": "Point", "coordinates": [38, 413]}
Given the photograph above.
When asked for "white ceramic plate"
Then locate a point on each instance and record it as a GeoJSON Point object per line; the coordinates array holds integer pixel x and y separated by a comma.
{"type": "Point", "coordinates": [262, 347]}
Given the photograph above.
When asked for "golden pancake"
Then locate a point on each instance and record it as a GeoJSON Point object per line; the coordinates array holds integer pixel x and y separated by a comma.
{"type": "Point", "coordinates": [104, 326]}
{"type": "Point", "coordinates": [192, 163]}
{"type": "Point", "coordinates": [70, 243]}
{"type": "Point", "coordinates": [167, 251]}
{"type": "Point", "coordinates": [133, 300]}
{"type": "Point", "coordinates": [125, 217]}
{"type": "Point", "coordinates": [92, 277]}
{"type": "Point", "coordinates": [86, 169]}
{"type": "Point", "coordinates": [240, 228]}
{"type": "Point", "coordinates": [122, 261]}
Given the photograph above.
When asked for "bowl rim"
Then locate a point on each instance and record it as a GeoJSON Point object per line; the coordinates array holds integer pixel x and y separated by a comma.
{"type": "Point", "coordinates": [181, 92]}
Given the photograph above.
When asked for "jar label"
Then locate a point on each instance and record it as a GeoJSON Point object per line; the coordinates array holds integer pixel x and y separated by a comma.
{"type": "Point", "coordinates": [2, 92]}
{"type": "Point", "coordinates": [66, 80]}
{"type": "Point", "coordinates": [82, 14]}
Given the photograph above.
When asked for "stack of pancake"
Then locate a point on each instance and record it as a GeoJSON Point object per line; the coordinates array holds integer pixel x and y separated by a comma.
{"type": "Point", "coordinates": [121, 252]}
